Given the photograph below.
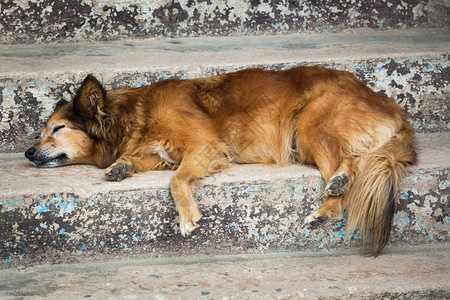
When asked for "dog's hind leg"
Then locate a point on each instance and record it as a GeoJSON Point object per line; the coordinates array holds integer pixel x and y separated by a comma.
{"type": "Point", "coordinates": [338, 175]}
{"type": "Point", "coordinates": [126, 166]}
{"type": "Point", "coordinates": [194, 166]}
{"type": "Point", "coordinates": [337, 185]}
{"type": "Point", "coordinates": [338, 182]}
{"type": "Point", "coordinates": [323, 149]}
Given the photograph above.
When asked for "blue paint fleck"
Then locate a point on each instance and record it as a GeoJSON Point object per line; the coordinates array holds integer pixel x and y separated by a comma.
{"type": "Point", "coordinates": [44, 209]}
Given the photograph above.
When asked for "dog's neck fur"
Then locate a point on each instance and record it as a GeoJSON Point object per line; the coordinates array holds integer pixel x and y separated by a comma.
{"type": "Point", "coordinates": [109, 131]}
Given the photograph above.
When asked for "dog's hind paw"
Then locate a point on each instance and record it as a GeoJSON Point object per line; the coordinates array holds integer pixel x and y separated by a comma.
{"type": "Point", "coordinates": [314, 220]}
{"type": "Point", "coordinates": [337, 185]}
{"type": "Point", "coordinates": [116, 172]}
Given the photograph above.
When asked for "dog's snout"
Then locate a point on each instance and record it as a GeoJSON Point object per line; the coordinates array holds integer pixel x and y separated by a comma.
{"type": "Point", "coordinates": [30, 153]}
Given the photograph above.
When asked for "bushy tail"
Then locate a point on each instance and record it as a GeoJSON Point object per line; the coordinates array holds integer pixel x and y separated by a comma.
{"type": "Point", "coordinates": [372, 199]}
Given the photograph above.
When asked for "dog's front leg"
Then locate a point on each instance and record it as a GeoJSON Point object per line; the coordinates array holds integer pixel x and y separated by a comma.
{"type": "Point", "coordinates": [193, 167]}
{"type": "Point", "coordinates": [126, 166]}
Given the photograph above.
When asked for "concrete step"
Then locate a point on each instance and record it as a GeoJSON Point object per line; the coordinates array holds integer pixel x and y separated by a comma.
{"type": "Point", "coordinates": [411, 66]}
{"type": "Point", "coordinates": [401, 273]}
{"type": "Point", "coordinates": [72, 214]}
{"type": "Point", "coordinates": [60, 21]}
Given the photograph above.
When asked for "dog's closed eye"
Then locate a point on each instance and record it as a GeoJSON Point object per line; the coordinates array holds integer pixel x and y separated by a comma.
{"type": "Point", "coordinates": [58, 128]}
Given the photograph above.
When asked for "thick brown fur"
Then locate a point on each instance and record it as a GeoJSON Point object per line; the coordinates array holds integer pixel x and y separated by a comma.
{"type": "Point", "coordinates": [360, 141]}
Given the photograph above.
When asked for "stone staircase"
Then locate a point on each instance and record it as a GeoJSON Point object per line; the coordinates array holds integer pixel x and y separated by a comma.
{"type": "Point", "coordinates": [71, 215]}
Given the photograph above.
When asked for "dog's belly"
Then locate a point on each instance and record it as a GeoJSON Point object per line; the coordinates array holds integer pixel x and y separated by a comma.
{"type": "Point", "coordinates": [261, 142]}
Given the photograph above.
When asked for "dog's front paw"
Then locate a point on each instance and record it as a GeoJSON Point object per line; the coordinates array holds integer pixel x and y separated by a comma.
{"type": "Point", "coordinates": [116, 172]}
{"type": "Point", "coordinates": [188, 220]}
{"type": "Point", "coordinates": [314, 220]}
{"type": "Point", "coordinates": [337, 185]}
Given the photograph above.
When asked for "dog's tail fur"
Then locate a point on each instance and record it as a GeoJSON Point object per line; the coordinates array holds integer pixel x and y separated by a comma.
{"type": "Point", "coordinates": [372, 199]}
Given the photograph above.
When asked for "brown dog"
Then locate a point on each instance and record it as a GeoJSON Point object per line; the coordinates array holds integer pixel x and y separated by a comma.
{"type": "Point", "coordinates": [360, 141]}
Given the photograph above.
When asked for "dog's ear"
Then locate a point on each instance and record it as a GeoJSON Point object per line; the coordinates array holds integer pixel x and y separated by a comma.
{"type": "Point", "coordinates": [60, 104]}
{"type": "Point", "coordinates": [90, 98]}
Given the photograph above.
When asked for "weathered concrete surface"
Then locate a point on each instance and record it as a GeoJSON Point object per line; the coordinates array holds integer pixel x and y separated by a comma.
{"type": "Point", "coordinates": [25, 21]}
{"type": "Point", "coordinates": [71, 214]}
{"type": "Point", "coordinates": [411, 66]}
{"type": "Point", "coordinates": [401, 273]}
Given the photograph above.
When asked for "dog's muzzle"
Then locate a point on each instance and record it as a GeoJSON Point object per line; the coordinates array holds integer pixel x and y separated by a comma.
{"type": "Point", "coordinates": [44, 160]}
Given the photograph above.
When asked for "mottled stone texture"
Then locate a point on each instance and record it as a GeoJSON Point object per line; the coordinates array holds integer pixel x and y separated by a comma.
{"type": "Point", "coordinates": [239, 217]}
{"type": "Point", "coordinates": [421, 86]}
{"type": "Point", "coordinates": [25, 21]}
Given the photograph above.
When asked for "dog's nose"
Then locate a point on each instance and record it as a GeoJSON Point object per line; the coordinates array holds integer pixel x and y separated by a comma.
{"type": "Point", "coordinates": [30, 153]}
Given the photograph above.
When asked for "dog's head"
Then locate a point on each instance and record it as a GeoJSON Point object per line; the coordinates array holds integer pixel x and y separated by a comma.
{"type": "Point", "coordinates": [66, 138]}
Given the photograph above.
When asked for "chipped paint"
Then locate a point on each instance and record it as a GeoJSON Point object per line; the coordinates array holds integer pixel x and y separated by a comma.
{"type": "Point", "coordinates": [238, 217]}
{"type": "Point", "coordinates": [24, 21]}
